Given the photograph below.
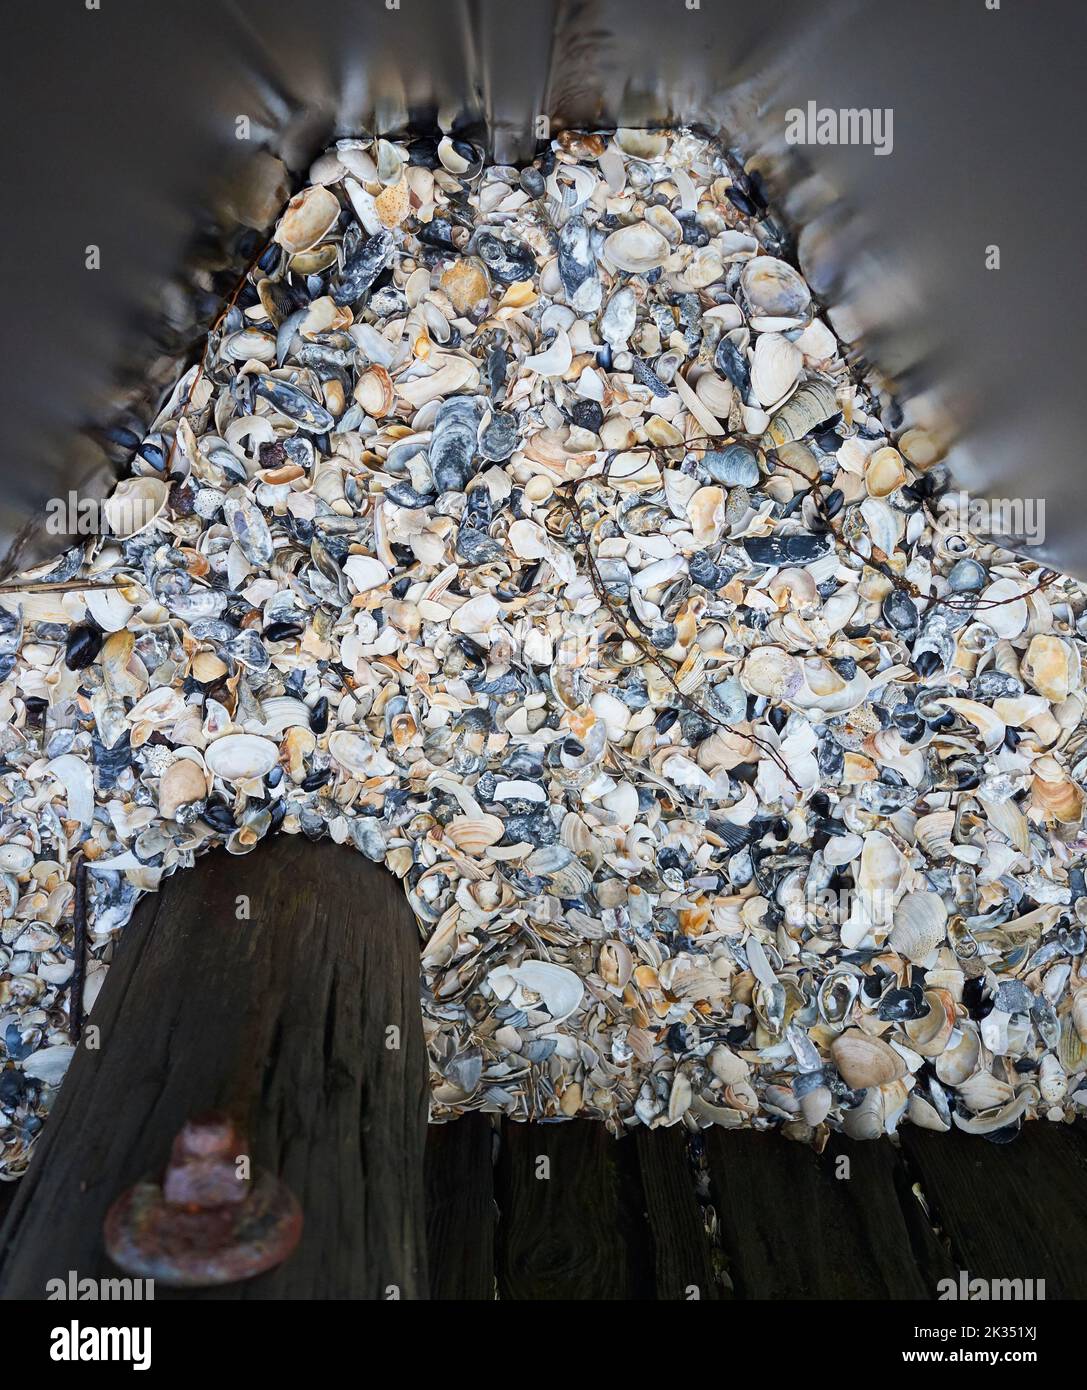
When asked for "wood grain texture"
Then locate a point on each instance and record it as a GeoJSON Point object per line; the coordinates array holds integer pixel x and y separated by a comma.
{"type": "Point", "coordinates": [792, 1228]}
{"type": "Point", "coordinates": [683, 1260]}
{"type": "Point", "coordinates": [1010, 1211]}
{"type": "Point", "coordinates": [572, 1222]}
{"type": "Point", "coordinates": [280, 1020]}
{"type": "Point", "coordinates": [460, 1208]}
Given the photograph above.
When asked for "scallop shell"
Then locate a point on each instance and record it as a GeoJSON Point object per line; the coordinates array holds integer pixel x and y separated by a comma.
{"type": "Point", "coordinates": [637, 248]}
{"type": "Point", "coordinates": [920, 925]}
{"type": "Point", "coordinates": [239, 757]}
{"type": "Point", "coordinates": [474, 834]}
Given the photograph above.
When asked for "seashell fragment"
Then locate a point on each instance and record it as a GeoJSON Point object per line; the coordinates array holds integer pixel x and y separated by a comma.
{"type": "Point", "coordinates": [182, 783]}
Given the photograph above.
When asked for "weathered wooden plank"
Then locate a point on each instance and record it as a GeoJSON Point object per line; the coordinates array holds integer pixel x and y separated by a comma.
{"type": "Point", "coordinates": [572, 1222]}
{"type": "Point", "coordinates": [460, 1208]}
{"type": "Point", "coordinates": [280, 1019]}
{"type": "Point", "coordinates": [682, 1252]}
{"type": "Point", "coordinates": [792, 1228]}
{"type": "Point", "coordinates": [1010, 1211]}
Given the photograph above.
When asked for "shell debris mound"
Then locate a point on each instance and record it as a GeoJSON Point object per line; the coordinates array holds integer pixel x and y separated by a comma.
{"type": "Point", "coordinates": [531, 531]}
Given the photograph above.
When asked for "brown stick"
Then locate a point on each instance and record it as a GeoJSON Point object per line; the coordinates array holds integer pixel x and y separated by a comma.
{"type": "Point", "coordinates": [79, 951]}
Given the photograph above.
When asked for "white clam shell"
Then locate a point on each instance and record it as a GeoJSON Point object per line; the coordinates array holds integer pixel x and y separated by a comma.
{"type": "Point", "coordinates": [776, 365]}
{"type": "Point", "coordinates": [239, 757]}
{"type": "Point", "coordinates": [134, 505]}
{"type": "Point", "coordinates": [309, 216]}
{"type": "Point", "coordinates": [365, 573]}
{"type": "Point", "coordinates": [15, 859]}
{"type": "Point", "coordinates": [353, 752]}
{"type": "Point", "coordinates": [637, 248]}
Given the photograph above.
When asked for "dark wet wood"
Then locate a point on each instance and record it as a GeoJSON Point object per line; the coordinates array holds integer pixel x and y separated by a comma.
{"type": "Point", "coordinates": [1010, 1211]}
{"type": "Point", "coordinates": [284, 1020]}
{"type": "Point", "coordinates": [572, 1219]}
{"type": "Point", "coordinates": [281, 1019]}
{"type": "Point", "coordinates": [683, 1259]}
{"type": "Point", "coordinates": [801, 1225]}
{"type": "Point", "coordinates": [460, 1208]}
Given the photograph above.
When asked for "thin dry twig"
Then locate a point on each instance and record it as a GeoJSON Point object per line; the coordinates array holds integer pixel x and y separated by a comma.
{"type": "Point", "coordinates": [667, 669]}
{"type": "Point", "coordinates": [79, 952]}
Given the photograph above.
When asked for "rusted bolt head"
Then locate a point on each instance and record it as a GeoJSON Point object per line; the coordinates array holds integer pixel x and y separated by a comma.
{"type": "Point", "coordinates": [203, 1225]}
{"type": "Point", "coordinates": [204, 1169]}
{"type": "Point", "coordinates": [207, 1136]}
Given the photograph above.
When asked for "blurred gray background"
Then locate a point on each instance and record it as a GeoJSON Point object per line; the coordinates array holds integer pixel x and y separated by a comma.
{"type": "Point", "coordinates": [120, 132]}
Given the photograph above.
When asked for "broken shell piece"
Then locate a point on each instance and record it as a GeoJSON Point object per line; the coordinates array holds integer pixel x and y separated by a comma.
{"type": "Point", "coordinates": [134, 505]}
{"type": "Point", "coordinates": [929, 1034]}
{"type": "Point", "coordinates": [884, 472]}
{"type": "Point", "coordinates": [183, 782]}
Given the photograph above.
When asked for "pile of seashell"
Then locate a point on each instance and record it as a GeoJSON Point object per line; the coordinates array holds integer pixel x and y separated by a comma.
{"type": "Point", "coordinates": [529, 531]}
